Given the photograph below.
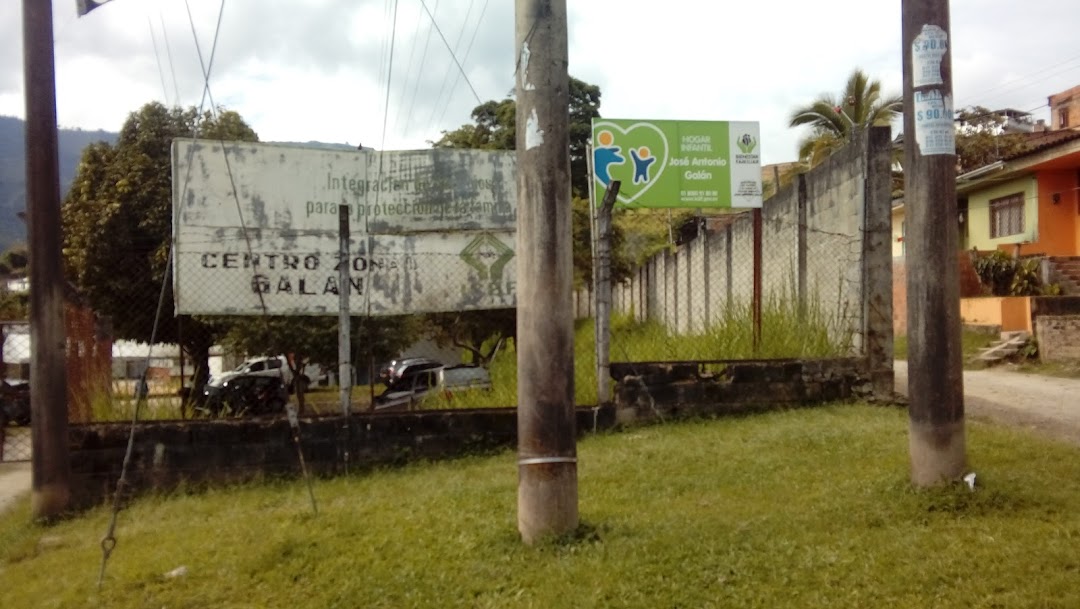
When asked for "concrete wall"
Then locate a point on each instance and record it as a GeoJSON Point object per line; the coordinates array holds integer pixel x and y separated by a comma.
{"type": "Point", "coordinates": [1059, 337]}
{"type": "Point", "coordinates": [661, 390]}
{"type": "Point", "coordinates": [195, 454]}
{"type": "Point", "coordinates": [1011, 313]}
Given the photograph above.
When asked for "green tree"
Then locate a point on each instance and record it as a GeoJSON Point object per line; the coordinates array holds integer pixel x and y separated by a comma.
{"type": "Point", "coordinates": [14, 263]}
{"type": "Point", "coordinates": [981, 138]}
{"type": "Point", "coordinates": [494, 128]}
{"type": "Point", "coordinates": [834, 119]}
{"type": "Point", "coordinates": [481, 333]}
{"type": "Point", "coordinates": [307, 340]}
{"type": "Point", "coordinates": [117, 221]}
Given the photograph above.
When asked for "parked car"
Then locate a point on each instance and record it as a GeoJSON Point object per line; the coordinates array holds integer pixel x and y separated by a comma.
{"type": "Point", "coordinates": [245, 395]}
{"type": "Point", "coordinates": [14, 402]}
{"type": "Point", "coordinates": [425, 381]}
{"type": "Point", "coordinates": [274, 365]}
{"type": "Point", "coordinates": [397, 368]}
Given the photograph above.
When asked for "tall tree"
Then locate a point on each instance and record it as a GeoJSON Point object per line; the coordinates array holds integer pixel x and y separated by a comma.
{"type": "Point", "coordinates": [493, 129]}
{"type": "Point", "coordinates": [117, 221]}
{"type": "Point", "coordinates": [14, 264]}
{"type": "Point", "coordinates": [835, 119]}
{"type": "Point", "coordinates": [981, 138]}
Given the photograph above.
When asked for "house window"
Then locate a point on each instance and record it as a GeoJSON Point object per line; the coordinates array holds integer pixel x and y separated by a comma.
{"type": "Point", "coordinates": [1063, 117]}
{"type": "Point", "coordinates": [1007, 216]}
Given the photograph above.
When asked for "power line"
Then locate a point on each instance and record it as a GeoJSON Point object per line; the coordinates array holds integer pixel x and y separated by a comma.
{"type": "Point", "coordinates": [1026, 76]}
{"type": "Point", "coordinates": [452, 56]}
{"type": "Point", "coordinates": [168, 54]}
{"type": "Point", "coordinates": [464, 59]}
{"type": "Point", "coordinates": [409, 66]}
{"type": "Point", "coordinates": [446, 74]}
{"type": "Point", "coordinates": [389, 73]}
{"type": "Point", "coordinates": [157, 57]}
{"type": "Point", "coordinates": [416, 85]}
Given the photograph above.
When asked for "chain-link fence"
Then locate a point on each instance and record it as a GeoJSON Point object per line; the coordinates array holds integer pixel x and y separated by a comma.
{"type": "Point", "coordinates": [789, 280]}
{"type": "Point", "coordinates": [15, 391]}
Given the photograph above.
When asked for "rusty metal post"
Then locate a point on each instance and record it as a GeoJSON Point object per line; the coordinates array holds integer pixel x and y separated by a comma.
{"type": "Point", "coordinates": [50, 467]}
{"type": "Point", "coordinates": [756, 298]}
{"type": "Point", "coordinates": [547, 448]}
{"type": "Point", "coordinates": [935, 366]}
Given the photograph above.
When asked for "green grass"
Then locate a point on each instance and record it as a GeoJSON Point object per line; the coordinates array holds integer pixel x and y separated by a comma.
{"type": "Point", "coordinates": [784, 334]}
{"type": "Point", "coordinates": [1069, 370]}
{"type": "Point", "coordinates": [807, 508]}
{"type": "Point", "coordinates": [971, 342]}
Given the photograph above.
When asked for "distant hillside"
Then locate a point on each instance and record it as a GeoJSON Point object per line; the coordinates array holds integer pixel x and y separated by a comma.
{"type": "Point", "coordinates": [13, 171]}
{"type": "Point", "coordinates": [72, 142]}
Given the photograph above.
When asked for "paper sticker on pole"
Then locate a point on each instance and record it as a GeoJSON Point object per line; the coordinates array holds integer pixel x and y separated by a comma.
{"type": "Point", "coordinates": [927, 51]}
{"type": "Point", "coordinates": [690, 164]}
{"type": "Point", "coordinates": [934, 131]}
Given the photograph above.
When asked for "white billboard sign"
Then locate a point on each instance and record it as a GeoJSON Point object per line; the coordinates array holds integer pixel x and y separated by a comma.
{"type": "Point", "coordinates": [256, 229]}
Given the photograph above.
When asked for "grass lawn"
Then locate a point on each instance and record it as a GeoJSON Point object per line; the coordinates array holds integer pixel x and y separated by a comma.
{"type": "Point", "coordinates": [971, 342]}
{"type": "Point", "coordinates": [807, 508]}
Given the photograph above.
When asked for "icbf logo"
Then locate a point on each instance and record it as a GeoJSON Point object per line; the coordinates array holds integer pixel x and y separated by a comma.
{"type": "Point", "coordinates": [634, 155]}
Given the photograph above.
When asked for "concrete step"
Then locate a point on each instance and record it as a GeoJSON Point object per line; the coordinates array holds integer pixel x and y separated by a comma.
{"type": "Point", "coordinates": [1010, 344]}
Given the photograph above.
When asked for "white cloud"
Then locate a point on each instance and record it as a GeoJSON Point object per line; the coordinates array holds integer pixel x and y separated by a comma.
{"type": "Point", "coordinates": [302, 70]}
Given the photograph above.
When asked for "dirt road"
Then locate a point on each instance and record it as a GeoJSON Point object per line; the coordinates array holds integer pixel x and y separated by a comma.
{"type": "Point", "coordinates": [1045, 404]}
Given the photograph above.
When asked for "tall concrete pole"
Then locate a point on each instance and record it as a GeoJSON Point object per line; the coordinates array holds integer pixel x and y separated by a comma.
{"type": "Point", "coordinates": [50, 468]}
{"type": "Point", "coordinates": [935, 365]}
{"type": "Point", "coordinates": [547, 449]}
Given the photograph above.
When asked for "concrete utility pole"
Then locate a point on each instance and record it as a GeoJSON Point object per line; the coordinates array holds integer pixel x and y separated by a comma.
{"type": "Point", "coordinates": [935, 371]}
{"type": "Point", "coordinates": [547, 448]}
{"type": "Point", "coordinates": [50, 468]}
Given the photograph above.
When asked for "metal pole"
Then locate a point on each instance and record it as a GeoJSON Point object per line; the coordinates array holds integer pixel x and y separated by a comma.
{"type": "Point", "coordinates": [547, 448]}
{"type": "Point", "coordinates": [344, 346]}
{"type": "Point", "coordinates": [756, 299]}
{"type": "Point", "coordinates": [935, 377]}
{"type": "Point", "coordinates": [50, 467]}
{"type": "Point", "coordinates": [602, 276]}
{"type": "Point", "coordinates": [593, 237]}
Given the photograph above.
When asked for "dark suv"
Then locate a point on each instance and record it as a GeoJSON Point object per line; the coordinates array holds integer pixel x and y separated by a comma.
{"type": "Point", "coordinates": [246, 395]}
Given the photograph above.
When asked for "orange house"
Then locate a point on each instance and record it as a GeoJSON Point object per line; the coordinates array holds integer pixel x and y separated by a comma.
{"type": "Point", "coordinates": [1027, 204]}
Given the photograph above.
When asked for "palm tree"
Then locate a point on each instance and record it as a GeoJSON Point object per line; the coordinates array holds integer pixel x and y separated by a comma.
{"type": "Point", "coordinates": [834, 120]}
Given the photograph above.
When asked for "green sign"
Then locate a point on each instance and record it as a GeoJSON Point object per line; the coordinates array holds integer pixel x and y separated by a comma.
{"type": "Point", "coordinates": [677, 163]}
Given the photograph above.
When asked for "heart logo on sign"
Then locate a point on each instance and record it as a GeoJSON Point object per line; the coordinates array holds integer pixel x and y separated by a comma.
{"type": "Point", "coordinates": [635, 155]}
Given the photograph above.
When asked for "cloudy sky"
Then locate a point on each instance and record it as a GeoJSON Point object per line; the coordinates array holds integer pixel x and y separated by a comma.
{"type": "Point", "coordinates": [376, 72]}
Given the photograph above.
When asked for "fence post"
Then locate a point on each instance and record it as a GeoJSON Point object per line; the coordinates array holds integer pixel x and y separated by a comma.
{"type": "Point", "coordinates": [603, 294]}
{"type": "Point", "coordinates": [706, 288]}
{"type": "Point", "coordinates": [877, 262]}
{"type": "Point", "coordinates": [801, 245]}
{"type": "Point", "coordinates": [344, 327]}
{"type": "Point", "coordinates": [728, 250]}
{"type": "Point", "coordinates": [756, 298]}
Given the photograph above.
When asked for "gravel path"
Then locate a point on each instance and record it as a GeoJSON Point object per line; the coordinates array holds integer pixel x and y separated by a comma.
{"type": "Point", "coordinates": [1045, 404]}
